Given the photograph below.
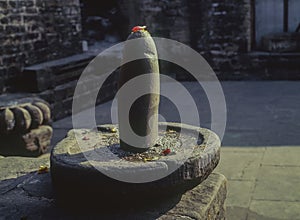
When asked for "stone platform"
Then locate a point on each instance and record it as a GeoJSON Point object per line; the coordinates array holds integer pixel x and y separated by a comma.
{"type": "Point", "coordinates": [31, 197]}
{"type": "Point", "coordinates": [91, 160]}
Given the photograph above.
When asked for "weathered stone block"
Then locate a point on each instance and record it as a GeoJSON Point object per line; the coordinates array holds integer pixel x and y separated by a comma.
{"type": "Point", "coordinates": [206, 201]}
{"type": "Point", "coordinates": [12, 29]}
{"type": "Point", "coordinates": [283, 42]}
{"type": "Point", "coordinates": [33, 143]}
{"type": "Point", "coordinates": [37, 80]}
{"type": "Point", "coordinates": [3, 4]}
{"type": "Point", "coordinates": [47, 75]}
{"type": "Point", "coordinates": [48, 95]}
{"type": "Point", "coordinates": [65, 91]}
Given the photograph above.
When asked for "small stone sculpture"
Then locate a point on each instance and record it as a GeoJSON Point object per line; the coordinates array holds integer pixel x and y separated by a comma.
{"type": "Point", "coordinates": [25, 128]}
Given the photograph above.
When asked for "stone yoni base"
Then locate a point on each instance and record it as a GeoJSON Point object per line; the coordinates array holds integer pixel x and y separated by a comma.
{"type": "Point", "coordinates": [90, 160]}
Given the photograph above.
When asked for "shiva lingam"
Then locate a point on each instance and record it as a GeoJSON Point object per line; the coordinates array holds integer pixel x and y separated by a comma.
{"type": "Point", "coordinates": [140, 158]}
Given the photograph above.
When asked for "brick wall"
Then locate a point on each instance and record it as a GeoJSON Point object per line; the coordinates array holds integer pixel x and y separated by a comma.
{"type": "Point", "coordinates": [33, 31]}
{"type": "Point", "coordinates": [218, 29]}
{"type": "Point", "coordinates": [164, 18]}
{"type": "Point", "coordinates": [226, 34]}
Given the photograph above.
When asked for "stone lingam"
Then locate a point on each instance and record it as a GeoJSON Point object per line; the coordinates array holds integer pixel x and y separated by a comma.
{"type": "Point", "coordinates": [140, 162]}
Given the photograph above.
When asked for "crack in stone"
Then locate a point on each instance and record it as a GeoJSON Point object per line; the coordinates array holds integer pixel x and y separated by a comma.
{"type": "Point", "coordinates": [15, 184]}
{"type": "Point", "coordinates": [245, 167]}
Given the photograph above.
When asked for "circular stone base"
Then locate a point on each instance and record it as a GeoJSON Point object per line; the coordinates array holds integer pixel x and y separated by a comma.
{"type": "Point", "coordinates": [88, 164]}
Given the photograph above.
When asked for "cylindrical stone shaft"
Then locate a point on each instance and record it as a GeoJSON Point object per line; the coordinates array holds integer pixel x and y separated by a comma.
{"type": "Point", "coordinates": [143, 113]}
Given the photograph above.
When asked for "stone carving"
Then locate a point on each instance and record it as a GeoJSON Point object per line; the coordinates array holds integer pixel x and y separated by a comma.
{"type": "Point", "coordinates": [25, 128]}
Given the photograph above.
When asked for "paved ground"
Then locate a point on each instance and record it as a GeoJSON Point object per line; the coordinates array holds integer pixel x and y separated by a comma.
{"type": "Point", "coordinates": [260, 154]}
{"type": "Point", "coordinates": [263, 182]}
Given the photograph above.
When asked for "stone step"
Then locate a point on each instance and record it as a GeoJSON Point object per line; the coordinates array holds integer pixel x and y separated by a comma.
{"type": "Point", "coordinates": [47, 75]}
{"type": "Point", "coordinates": [273, 65]}
{"type": "Point", "coordinates": [55, 81]}
{"type": "Point", "coordinates": [63, 107]}
{"type": "Point", "coordinates": [60, 97]}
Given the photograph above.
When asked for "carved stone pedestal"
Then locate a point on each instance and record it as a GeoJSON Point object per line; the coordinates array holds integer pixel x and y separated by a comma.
{"type": "Point", "coordinates": [88, 165]}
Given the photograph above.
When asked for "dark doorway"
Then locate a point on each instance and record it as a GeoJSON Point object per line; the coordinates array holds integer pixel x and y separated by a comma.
{"type": "Point", "coordinates": [102, 20]}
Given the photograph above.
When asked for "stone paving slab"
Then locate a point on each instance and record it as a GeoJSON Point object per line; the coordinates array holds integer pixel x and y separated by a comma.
{"type": "Point", "coordinates": [272, 190]}
{"type": "Point", "coordinates": [282, 156]}
{"type": "Point", "coordinates": [278, 183]}
{"type": "Point", "coordinates": [240, 213]}
{"type": "Point", "coordinates": [236, 213]}
{"type": "Point", "coordinates": [240, 163]}
{"type": "Point", "coordinates": [243, 197]}
{"type": "Point", "coordinates": [275, 209]}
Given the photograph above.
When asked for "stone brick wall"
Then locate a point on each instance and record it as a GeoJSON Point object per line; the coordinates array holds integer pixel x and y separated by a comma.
{"type": "Point", "coordinates": [33, 31]}
{"type": "Point", "coordinates": [226, 34]}
{"type": "Point", "coordinates": [218, 29]}
{"type": "Point", "coordinates": [164, 18]}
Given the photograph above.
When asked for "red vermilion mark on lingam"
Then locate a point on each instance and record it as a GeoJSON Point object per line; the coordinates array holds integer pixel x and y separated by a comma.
{"type": "Point", "coordinates": [166, 151]}
{"type": "Point", "coordinates": [138, 28]}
